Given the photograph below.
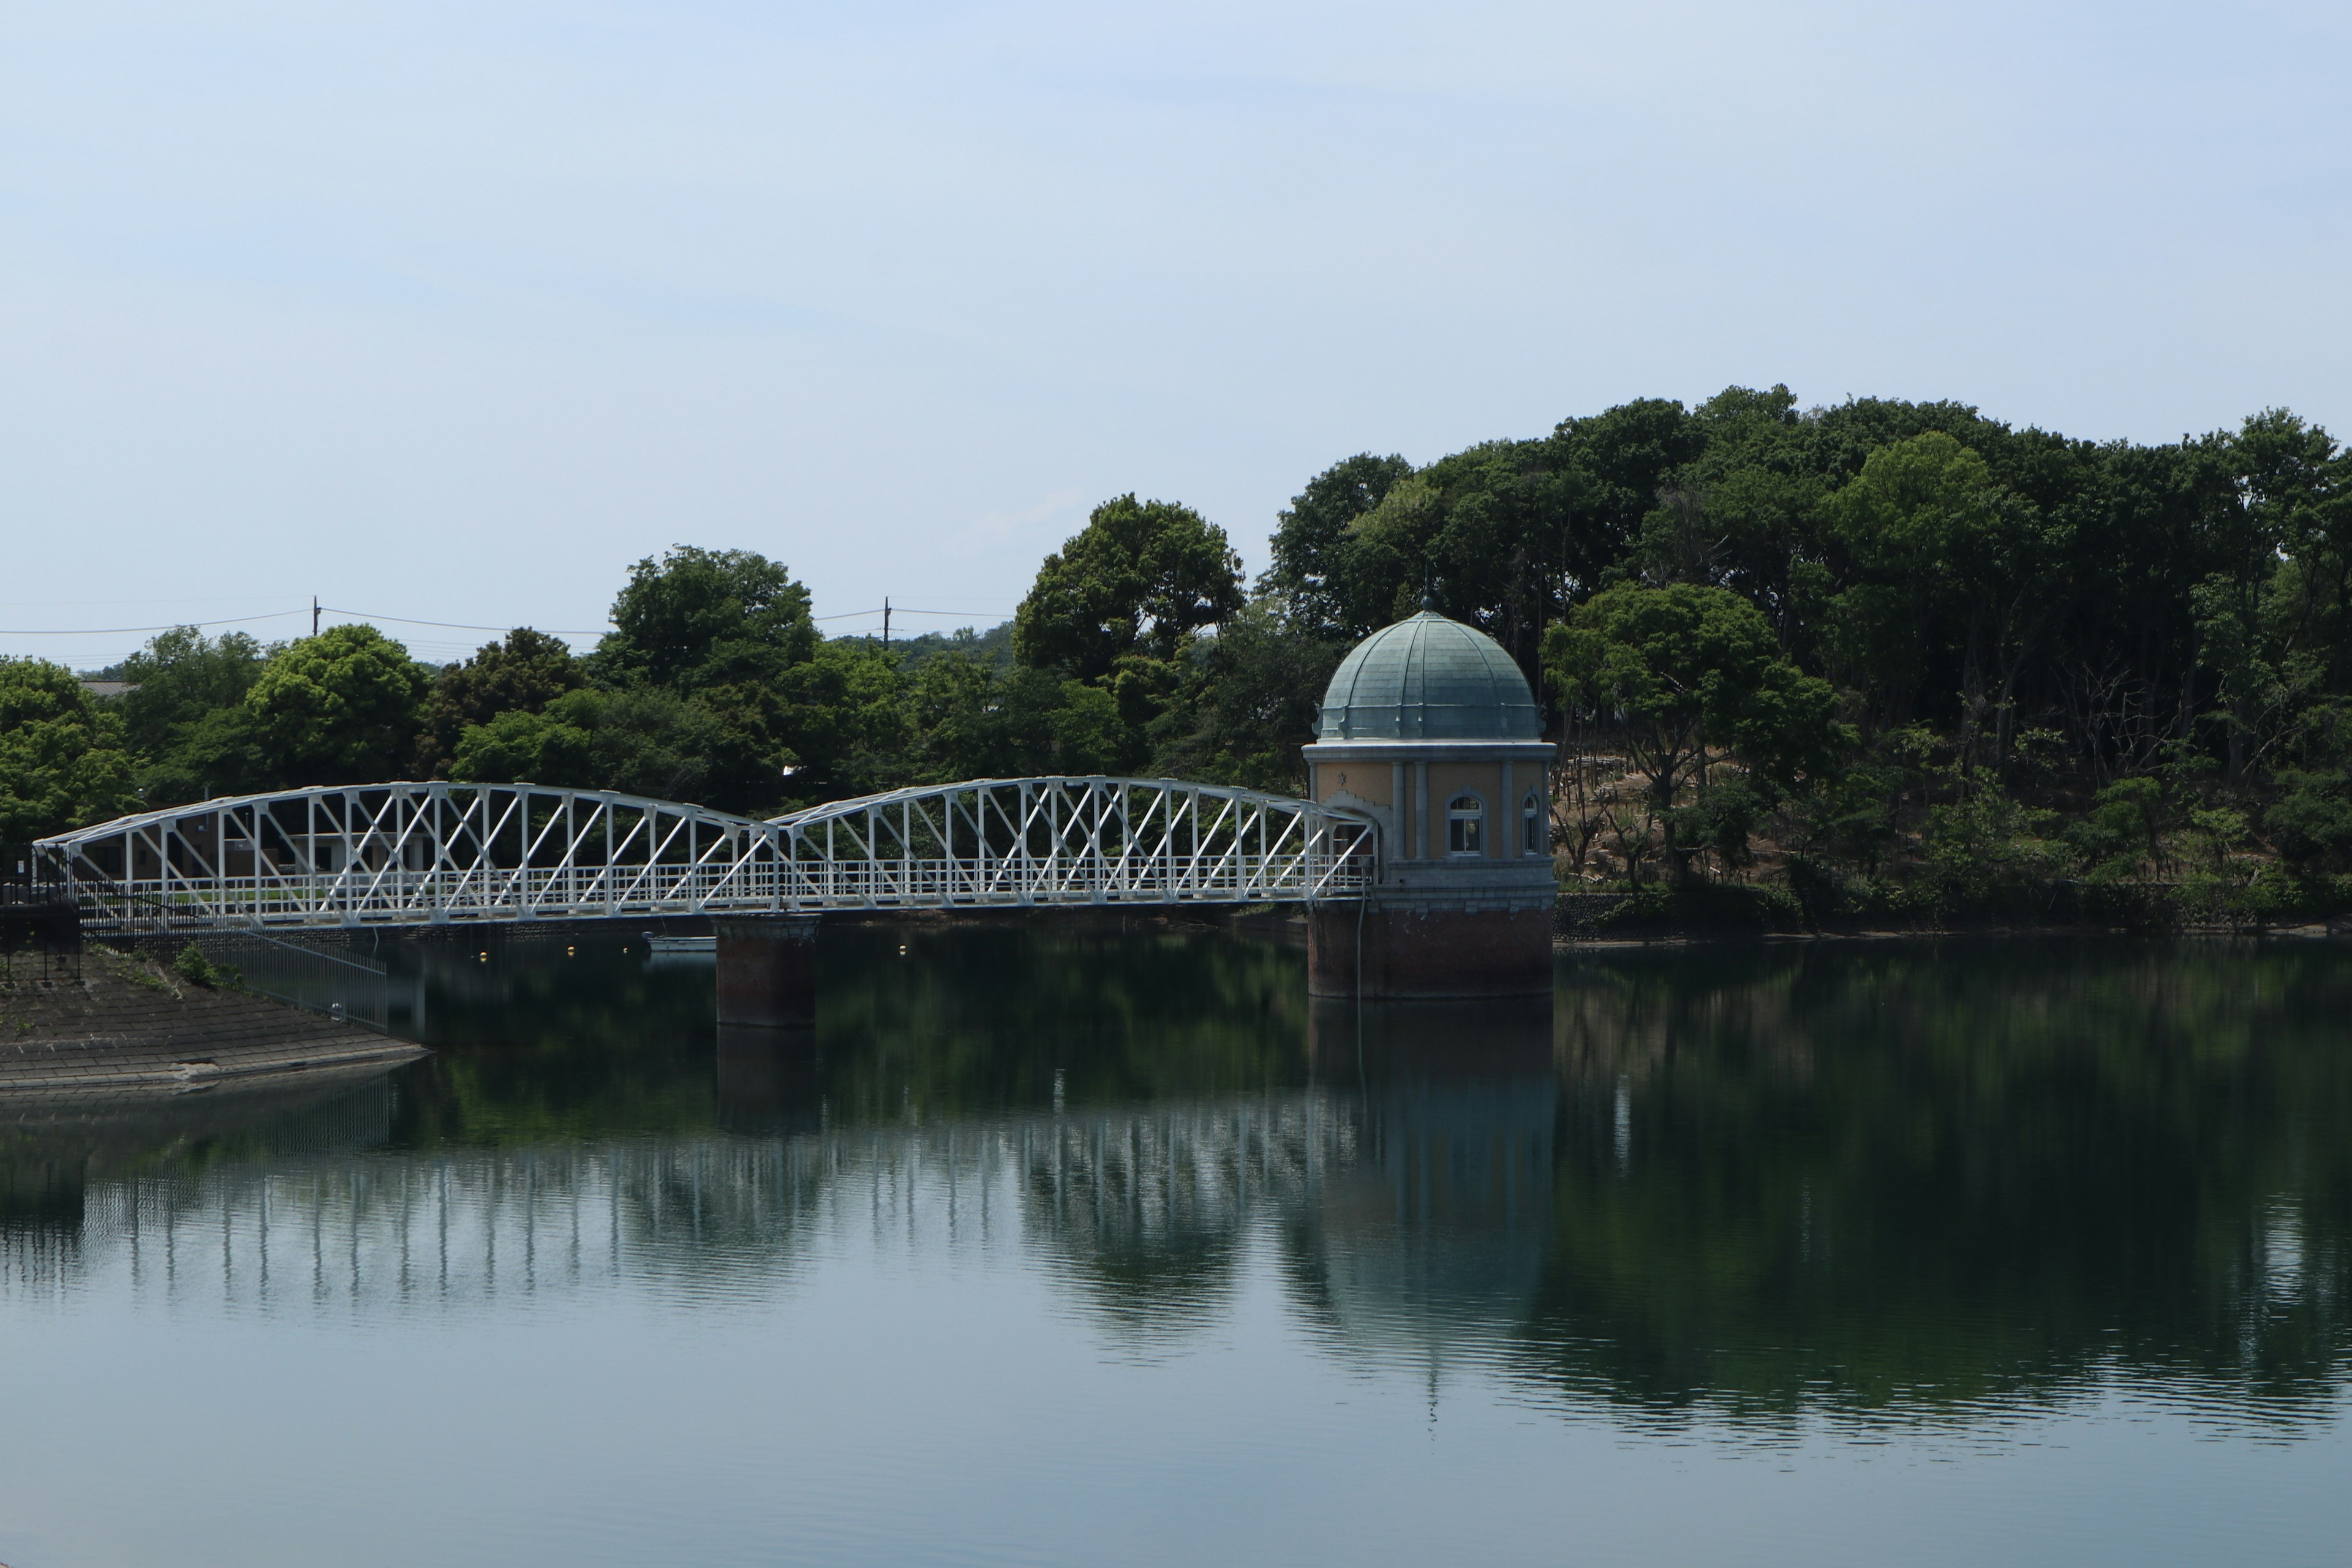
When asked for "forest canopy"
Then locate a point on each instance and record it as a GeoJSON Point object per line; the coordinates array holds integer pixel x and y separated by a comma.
{"type": "Point", "coordinates": [1900, 648]}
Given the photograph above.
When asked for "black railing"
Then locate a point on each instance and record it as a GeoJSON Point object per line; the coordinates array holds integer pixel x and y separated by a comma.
{"type": "Point", "coordinates": [40, 926]}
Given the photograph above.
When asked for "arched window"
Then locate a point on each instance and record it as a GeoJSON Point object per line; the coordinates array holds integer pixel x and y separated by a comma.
{"type": "Point", "coordinates": [1465, 826]}
{"type": "Point", "coordinates": [1535, 831]}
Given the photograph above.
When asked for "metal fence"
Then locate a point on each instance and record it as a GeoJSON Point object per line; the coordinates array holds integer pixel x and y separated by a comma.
{"type": "Point", "coordinates": [40, 925]}
{"type": "Point", "coordinates": [339, 985]}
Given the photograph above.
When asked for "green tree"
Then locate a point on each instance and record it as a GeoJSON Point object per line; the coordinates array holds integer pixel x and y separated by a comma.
{"type": "Point", "coordinates": [967, 720]}
{"type": "Point", "coordinates": [519, 746]}
{"type": "Point", "coordinates": [1309, 577]}
{"type": "Point", "coordinates": [1620, 459]}
{"type": "Point", "coordinates": [2264, 622]}
{"type": "Point", "coordinates": [338, 707]}
{"type": "Point", "coordinates": [523, 673]}
{"type": "Point", "coordinates": [838, 721]}
{"type": "Point", "coordinates": [62, 762]}
{"type": "Point", "coordinates": [1679, 671]}
{"type": "Point", "coordinates": [1942, 551]}
{"type": "Point", "coordinates": [640, 740]}
{"type": "Point", "coordinates": [698, 619]}
{"type": "Point", "coordinates": [1512, 531]}
{"type": "Point", "coordinates": [179, 677]}
{"type": "Point", "coordinates": [1491, 524]}
{"type": "Point", "coordinates": [184, 719]}
{"type": "Point", "coordinates": [1249, 702]}
{"type": "Point", "coordinates": [1139, 579]}
{"type": "Point", "coordinates": [2311, 821]}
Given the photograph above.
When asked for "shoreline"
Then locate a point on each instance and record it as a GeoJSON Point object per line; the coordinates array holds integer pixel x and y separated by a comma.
{"type": "Point", "coordinates": [2317, 930]}
{"type": "Point", "coordinates": [129, 1025]}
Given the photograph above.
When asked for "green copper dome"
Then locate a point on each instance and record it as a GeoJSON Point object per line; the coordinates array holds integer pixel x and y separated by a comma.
{"type": "Point", "coordinates": [1429, 678]}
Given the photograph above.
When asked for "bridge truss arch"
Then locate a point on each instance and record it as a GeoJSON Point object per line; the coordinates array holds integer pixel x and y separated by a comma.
{"type": "Point", "coordinates": [432, 853]}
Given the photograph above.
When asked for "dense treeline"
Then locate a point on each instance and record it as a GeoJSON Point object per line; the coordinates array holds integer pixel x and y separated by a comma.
{"type": "Point", "coordinates": [1890, 651]}
{"type": "Point", "coordinates": [1905, 652]}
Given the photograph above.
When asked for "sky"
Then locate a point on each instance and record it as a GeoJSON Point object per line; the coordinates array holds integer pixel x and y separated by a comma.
{"type": "Point", "coordinates": [451, 311]}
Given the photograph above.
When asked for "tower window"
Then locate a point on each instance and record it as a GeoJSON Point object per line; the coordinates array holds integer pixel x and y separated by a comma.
{"type": "Point", "coordinates": [1535, 833]}
{"type": "Point", "coordinates": [1465, 826]}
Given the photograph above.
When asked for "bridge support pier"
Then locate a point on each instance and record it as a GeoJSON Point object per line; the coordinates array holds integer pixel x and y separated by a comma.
{"type": "Point", "coordinates": [767, 971]}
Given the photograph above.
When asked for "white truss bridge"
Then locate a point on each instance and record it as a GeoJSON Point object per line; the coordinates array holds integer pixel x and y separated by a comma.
{"type": "Point", "coordinates": [429, 854]}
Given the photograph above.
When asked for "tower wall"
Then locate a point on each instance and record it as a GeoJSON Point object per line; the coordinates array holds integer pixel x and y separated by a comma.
{"type": "Point", "coordinates": [1437, 922]}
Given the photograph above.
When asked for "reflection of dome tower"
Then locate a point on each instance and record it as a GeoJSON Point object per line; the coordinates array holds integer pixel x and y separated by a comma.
{"type": "Point", "coordinates": [1429, 728]}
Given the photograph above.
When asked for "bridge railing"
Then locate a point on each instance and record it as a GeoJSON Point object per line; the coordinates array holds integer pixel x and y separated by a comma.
{"type": "Point", "coordinates": [419, 854]}
{"type": "Point", "coordinates": [396, 896]}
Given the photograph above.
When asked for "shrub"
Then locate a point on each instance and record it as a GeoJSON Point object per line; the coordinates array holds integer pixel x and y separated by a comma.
{"type": "Point", "coordinates": [1705, 906]}
{"type": "Point", "coordinates": [194, 967]}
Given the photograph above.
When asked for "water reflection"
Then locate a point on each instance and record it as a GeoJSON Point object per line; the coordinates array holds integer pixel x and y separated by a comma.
{"type": "Point", "coordinates": [1879, 1185]}
{"type": "Point", "coordinates": [1925, 1179]}
{"type": "Point", "coordinates": [1429, 1243]}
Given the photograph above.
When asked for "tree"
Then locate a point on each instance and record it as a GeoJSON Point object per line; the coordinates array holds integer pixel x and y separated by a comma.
{"type": "Point", "coordinates": [1513, 531]}
{"type": "Point", "coordinates": [1309, 577]}
{"type": "Point", "coordinates": [640, 740]}
{"type": "Point", "coordinates": [1139, 579]}
{"type": "Point", "coordinates": [1249, 702]}
{"type": "Point", "coordinates": [698, 619]}
{"type": "Point", "coordinates": [184, 718]}
{"type": "Point", "coordinates": [62, 762]}
{"type": "Point", "coordinates": [180, 677]}
{"type": "Point", "coordinates": [1942, 551]}
{"type": "Point", "coordinates": [523, 674]}
{"type": "Point", "coordinates": [1620, 459]}
{"type": "Point", "coordinates": [519, 746]}
{"type": "Point", "coordinates": [968, 720]}
{"type": "Point", "coordinates": [2262, 628]}
{"type": "Point", "coordinates": [1682, 669]}
{"type": "Point", "coordinates": [1492, 525]}
{"type": "Point", "coordinates": [840, 720]}
{"type": "Point", "coordinates": [338, 707]}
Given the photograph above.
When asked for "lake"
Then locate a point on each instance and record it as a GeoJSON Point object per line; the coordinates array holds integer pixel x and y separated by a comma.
{"type": "Point", "coordinates": [1080, 1243]}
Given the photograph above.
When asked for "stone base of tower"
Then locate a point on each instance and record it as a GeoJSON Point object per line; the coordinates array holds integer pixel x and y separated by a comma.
{"type": "Point", "coordinates": [1395, 949]}
{"type": "Point", "coordinates": [767, 971]}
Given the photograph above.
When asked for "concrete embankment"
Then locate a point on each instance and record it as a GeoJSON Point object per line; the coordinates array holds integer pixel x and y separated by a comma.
{"type": "Point", "coordinates": [128, 1025]}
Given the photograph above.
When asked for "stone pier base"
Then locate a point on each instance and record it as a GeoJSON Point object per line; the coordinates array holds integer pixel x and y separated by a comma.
{"type": "Point", "coordinates": [767, 971]}
{"type": "Point", "coordinates": [1395, 949]}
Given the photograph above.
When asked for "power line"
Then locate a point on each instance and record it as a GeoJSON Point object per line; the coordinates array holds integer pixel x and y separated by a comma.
{"type": "Point", "coordinates": [413, 621]}
{"type": "Point", "coordinates": [464, 625]}
{"type": "Point", "coordinates": [119, 631]}
{"type": "Point", "coordinates": [903, 610]}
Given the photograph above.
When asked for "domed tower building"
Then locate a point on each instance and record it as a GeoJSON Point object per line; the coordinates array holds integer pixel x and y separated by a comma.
{"type": "Point", "coordinates": [1429, 728]}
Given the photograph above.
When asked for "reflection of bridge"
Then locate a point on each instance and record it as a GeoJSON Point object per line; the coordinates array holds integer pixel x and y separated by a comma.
{"type": "Point", "coordinates": [1408, 1210]}
{"type": "Point", "coordinates": [427, 853]}
{"type": "Point", "coordinates": [711, 1216]}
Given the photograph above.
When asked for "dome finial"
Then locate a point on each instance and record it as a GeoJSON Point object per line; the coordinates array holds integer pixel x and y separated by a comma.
{"type": "Point", "coordinates": [1428, 592]}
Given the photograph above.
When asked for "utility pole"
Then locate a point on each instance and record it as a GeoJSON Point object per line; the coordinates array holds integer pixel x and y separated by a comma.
{"type": "Point", "coordinates": [886, 621]}
{"type": "Point", "coordinates": [314, 614]}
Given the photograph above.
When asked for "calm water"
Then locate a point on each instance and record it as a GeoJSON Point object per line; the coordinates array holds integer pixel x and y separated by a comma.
{"type": "Point", "coordinates": [1071, 1245]}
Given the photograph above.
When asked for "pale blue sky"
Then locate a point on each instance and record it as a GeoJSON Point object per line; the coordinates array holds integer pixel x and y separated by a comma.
{"type": "Point", "coordinates": [451, 310]}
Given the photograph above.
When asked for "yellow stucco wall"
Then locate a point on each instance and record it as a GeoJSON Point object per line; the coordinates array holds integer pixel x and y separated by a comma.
{"type": "Point", "coordinates": [1365, 781]}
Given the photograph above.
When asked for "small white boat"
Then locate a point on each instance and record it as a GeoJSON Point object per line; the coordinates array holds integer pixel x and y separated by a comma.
{"type": "Point", "coordinates": [679, 946]}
